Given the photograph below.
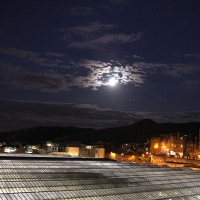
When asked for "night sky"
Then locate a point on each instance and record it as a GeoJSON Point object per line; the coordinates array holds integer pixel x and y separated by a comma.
{"type": "Point", "coordinates": [98, 64]}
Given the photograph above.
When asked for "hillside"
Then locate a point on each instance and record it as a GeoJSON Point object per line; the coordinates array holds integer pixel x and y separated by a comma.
{"type": "Point", "coordinates": [39, 134]}
{"type": "Point", "coordinates": [140, 131]}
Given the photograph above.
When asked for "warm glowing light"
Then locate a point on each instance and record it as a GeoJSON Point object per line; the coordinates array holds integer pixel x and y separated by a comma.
{"type": "Point", "coordinates": [156, 146]}
{"type": "Point", "coordinates": [113, 155]}
{"type": "Point", "coordinates": [112, 81]}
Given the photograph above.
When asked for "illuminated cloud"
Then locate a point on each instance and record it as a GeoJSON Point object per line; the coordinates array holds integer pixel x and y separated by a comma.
{"type": "Point", "coordinates": [96, 72]}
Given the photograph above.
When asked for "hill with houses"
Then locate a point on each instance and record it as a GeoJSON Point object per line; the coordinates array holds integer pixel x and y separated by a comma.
{"type": "Point", "coordinates": [138, 132]}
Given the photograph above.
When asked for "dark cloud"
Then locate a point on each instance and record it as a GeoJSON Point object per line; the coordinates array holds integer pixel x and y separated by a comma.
{"type": "Point", "coordinates": [50, 81]}
{"type": "Point", "coordinates": [20, 114]}
{"type": "Point", "coordinates": [92, 27]}
{"type": "Point", "coordinates": [36, 58]}
{"type": "Point", "coordinates": [192, 84]}
{"type": "Point", "coordinates": [52, 54]}
{"type": "Point", "coordinates": [18, 53]}
{"type": "Point", "coordinates": [95, 35]}
{"type": "Point", "coordinates": [181, 69]}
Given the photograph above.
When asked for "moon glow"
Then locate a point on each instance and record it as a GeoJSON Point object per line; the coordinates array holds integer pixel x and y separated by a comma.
{"type": "Point", "coordinates": [112, 82]}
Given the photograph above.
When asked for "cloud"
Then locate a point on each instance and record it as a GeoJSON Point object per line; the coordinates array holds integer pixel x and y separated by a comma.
{"type": "Point", "coordinates": [119, 38]}
{"type": "Point", "coordinates": [18, 53]}
{"type": "Point", "coordinates": [36, 58]}
{"type": "Point", "coordinates": [101, 71]}
{"type": "Point", "coordinates": [19, 77]}
{"type": "Point", "coordinates": [106, 39]}
{"type": "Point", "coordinates": [94, 35]}
{"type": "Point", "coordinates": [52, 54]}
{"type": "Point", "coordinates": [20, 114]}
{"type": "Point", "coordinates": [180, 69]}
{"type": "Point", "coordinates": [42, 81]}
{"type": "Point", "coordinates": [192, 84]}
{"type": "Point", "coordinates": [188, 73]}
{"type": "Point", "coordinates": [62, 74]}
{"type": "Point", "coordinates": [89, 28]}
{"type": "Point", "coordinates": [137, 57]}
{"type": "Point", "coordinates": [196, 56]}
{"type": "Point", "coordinates": [96, 75]}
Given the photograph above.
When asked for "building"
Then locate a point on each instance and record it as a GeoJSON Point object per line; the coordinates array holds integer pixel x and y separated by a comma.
{"type": "Point", "coordinates": [123, 154]}
{"type": "Point", "coordinates": [192, 147]}
{"type": "Point", "coordinates": [155, 145]}
{"type": "Point", "coordinates": [129, 156]}
{"type": "Point", "coordinates": [92, 151]}
{"type": "Point", "coordinates": [177, 145]}
{"type": "Point", "coordinates": [77, 149]}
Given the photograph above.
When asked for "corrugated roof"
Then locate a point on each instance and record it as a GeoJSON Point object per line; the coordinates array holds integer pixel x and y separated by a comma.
{"type": "Point", "coordinates": [94, 179]}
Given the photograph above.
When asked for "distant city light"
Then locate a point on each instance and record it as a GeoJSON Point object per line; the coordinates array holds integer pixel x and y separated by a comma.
{"type": "Point", "coordinates": [156, 146]}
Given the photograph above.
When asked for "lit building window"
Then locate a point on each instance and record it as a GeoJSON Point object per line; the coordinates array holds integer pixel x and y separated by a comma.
{"type": "Point", "coordinates": [156, 146]}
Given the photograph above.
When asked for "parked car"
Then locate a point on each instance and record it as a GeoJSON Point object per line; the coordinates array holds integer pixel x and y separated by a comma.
{"type": "Point", "coordinates": [10, 149]}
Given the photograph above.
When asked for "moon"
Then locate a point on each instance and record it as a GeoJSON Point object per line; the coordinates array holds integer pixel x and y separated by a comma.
{"type": "Point", "coordinates": [112, 81]}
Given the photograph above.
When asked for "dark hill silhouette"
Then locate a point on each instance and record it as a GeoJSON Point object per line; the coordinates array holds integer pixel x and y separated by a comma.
{"type": "Point", "coordinates": [139, 132]}
{"type": "Point", "coordinates": [39, 134]}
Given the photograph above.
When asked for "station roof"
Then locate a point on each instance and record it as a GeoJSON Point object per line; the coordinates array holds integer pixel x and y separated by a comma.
{"type": "Point", "coordinates": [94, 179]}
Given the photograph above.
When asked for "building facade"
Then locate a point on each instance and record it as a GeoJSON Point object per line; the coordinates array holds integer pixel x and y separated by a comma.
{"type": "Point", "coordinates": [176, 145]}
